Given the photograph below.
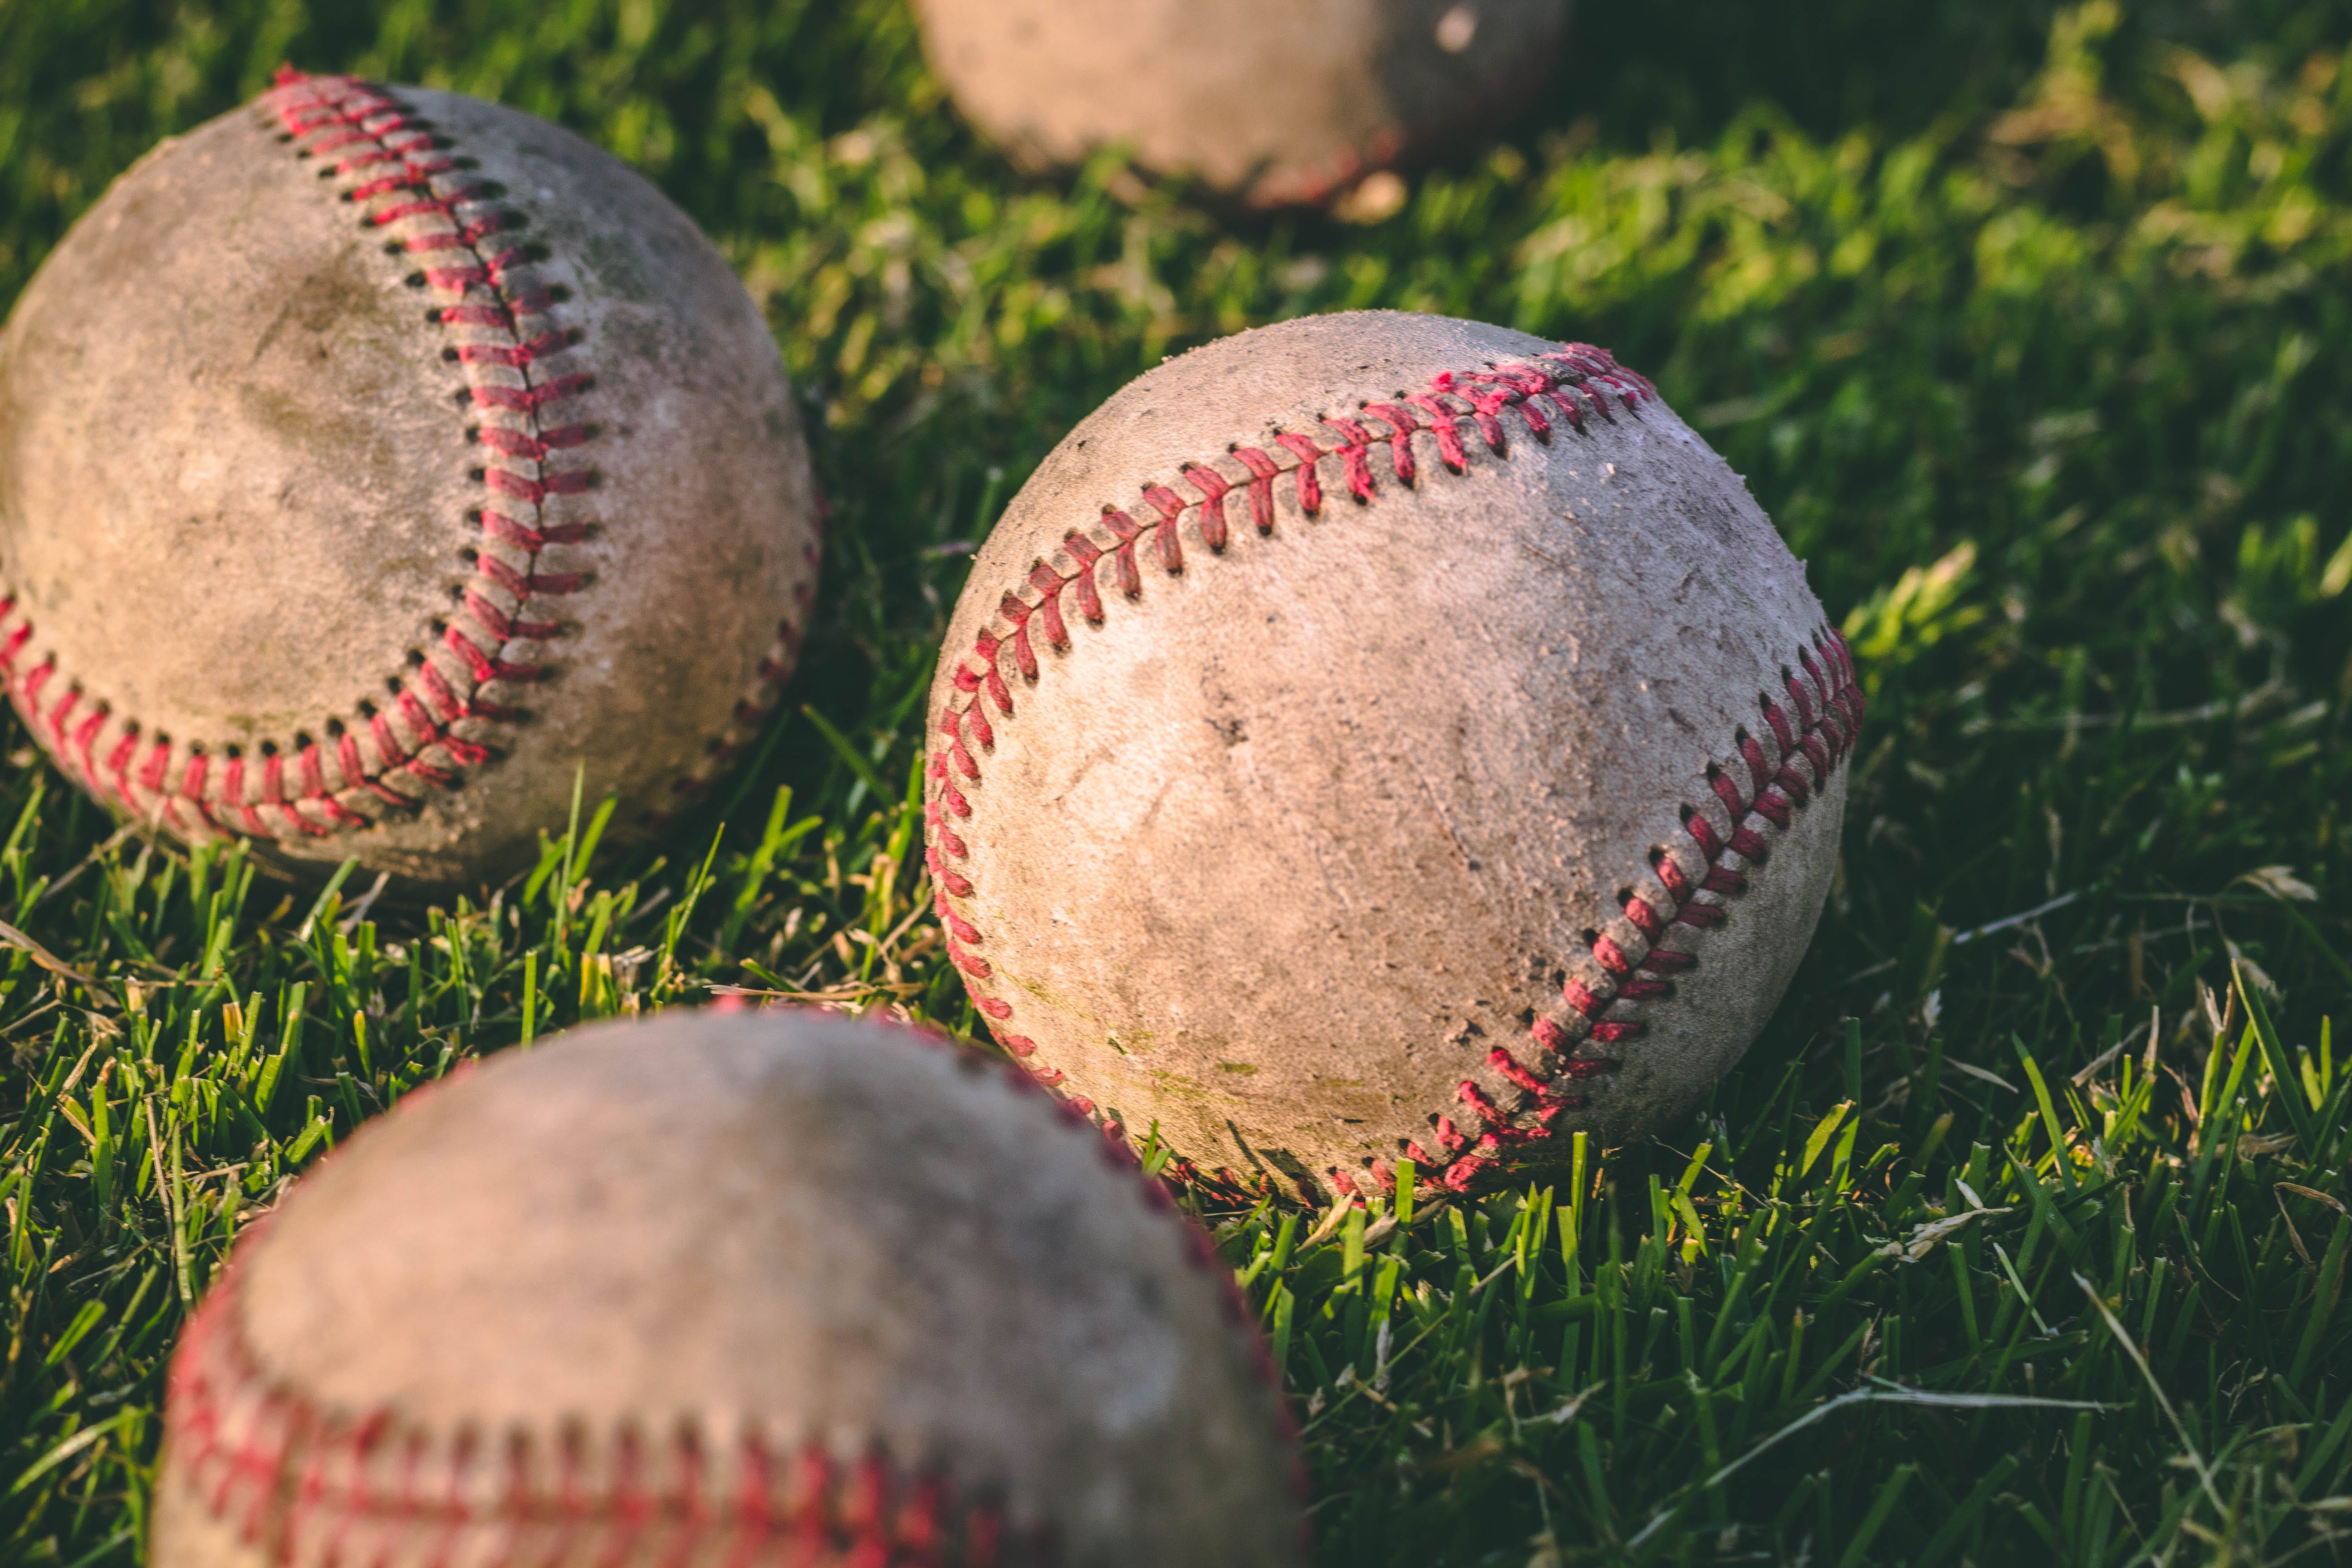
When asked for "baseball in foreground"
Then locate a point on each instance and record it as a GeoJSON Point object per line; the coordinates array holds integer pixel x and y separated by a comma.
{"type": "Point", "coordinates": [1276, 103]}
{"type": "Point", "coordinates": [1382, 736]}
{"type": "Point", "coordinates": [714, 1289]}
{"type": "Point", "coordinates": [371, 461]}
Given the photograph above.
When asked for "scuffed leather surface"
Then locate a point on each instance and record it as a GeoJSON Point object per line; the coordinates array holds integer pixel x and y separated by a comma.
{"type": "Point", "coordinates": [790, 1225]}
{"type": "Point", "coordinates": [1278, 104]}
{"type": "Point", "coordinates": [235, 480]}
{"type": "Point", "coordinates": [1275, 856]}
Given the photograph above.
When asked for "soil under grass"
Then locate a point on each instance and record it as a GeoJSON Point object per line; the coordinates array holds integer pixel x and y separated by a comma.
{"type": "Point", "coordinates": [2021, 1234]}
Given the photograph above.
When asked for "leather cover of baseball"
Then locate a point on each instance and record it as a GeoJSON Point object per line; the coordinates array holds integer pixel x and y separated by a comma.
{"type": "Point", "coordinates": [371, 459]}
{"type": "Point", "coordinates": [1382, 735]}
{"type": "Point", "coordinates": [1276, 103]}
{"type": "Point", "coordinates": [713, 1289]}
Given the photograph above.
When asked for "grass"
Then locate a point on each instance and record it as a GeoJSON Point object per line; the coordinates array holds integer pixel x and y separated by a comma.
{"type": "Point", "coordinates": [2024, 1230]}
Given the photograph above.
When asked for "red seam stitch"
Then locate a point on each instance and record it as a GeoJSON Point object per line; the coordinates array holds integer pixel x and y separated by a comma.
{"type": "Point", "coordinates": [1170, 507]}
{"type": "Point", "coordinates": [1310, 488]}
{"type": "Point", "coordinates": [1213, 488]}
{"type": "Point", "coordinates": [1440, 422]}
{"type": "Point", "coordinates": [1049, 582]}
{"type": "Point", "coordinates": [1356, 442]}
{"type": "Point", "coordinates": [1085, 551]}
{"type": "Point", "coordinates": [1778, 789]}
{"type": "Point", "coordinates": [1402, 425]}
{"type": "Point", "coordinates": [1131, 579]}
{"type": "Point", "coordinates": [1484, 404]}
{"type": "Point", "coordinates": [1263, 469]}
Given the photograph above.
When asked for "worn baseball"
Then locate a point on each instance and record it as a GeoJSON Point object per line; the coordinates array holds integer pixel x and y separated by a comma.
{"type": "Point", "coordinates": [1382, 736]}
{"type": "Point", "coordinates": [372, 461]}
{"type": "Point", "coordinates": [713, 1289]}
{"type": "Point", "coordinates": [1273, 103]}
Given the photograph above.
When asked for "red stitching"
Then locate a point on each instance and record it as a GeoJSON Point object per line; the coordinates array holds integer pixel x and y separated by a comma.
{"type": "Point", "coordinates": [410, 745]}
{"type": "Point", "coordinates": [319, 115]}
{"type": "Point", "coordinates": [1577, 382]}
{"type": "Point", "coordinates": [306, 1482]}
{"type": "Point", "coordinates": [1262, 469]}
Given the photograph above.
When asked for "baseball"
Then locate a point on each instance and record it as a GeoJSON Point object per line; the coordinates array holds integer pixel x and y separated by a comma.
{"type": "Point", "coordinates": [372, 460]}
{"type": "Point", "coordinates": [1275, 104]}
{"type": "Point", "coordinates": [715, 1288]}
{"type": "Point", "coordinates": [1382, 736]}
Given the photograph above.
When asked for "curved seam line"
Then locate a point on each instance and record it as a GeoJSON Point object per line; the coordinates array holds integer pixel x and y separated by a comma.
{"type": "Point", "coordinates": [327, 115]}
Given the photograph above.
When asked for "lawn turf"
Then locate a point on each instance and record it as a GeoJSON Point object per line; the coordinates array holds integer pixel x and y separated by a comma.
{"type": "Point", "coordinates": [2029, 326]}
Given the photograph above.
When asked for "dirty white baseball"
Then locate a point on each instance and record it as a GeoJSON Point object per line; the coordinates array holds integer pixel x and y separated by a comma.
{"type": "Point", "coordinates": [1382, 737]}
{"type": "Point", "coordinates": [710, 1290]}
{"type": "Point", "coordinates": [1273, 104]}
{"type": "Point", "coordinates": [375, 463]}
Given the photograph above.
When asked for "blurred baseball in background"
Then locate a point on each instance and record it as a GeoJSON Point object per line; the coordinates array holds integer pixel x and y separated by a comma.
{"type": "Point", "coordinates": [1274, 102]}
